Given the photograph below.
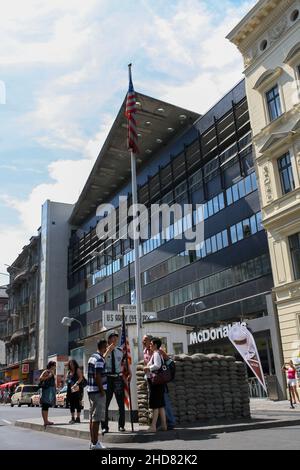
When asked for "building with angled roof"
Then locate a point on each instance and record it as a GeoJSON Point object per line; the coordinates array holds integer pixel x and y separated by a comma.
{"type": "Point", "coordinates": [184, 158]}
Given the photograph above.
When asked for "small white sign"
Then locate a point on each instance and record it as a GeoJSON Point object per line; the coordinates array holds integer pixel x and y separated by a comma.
{"type": "Point", "coordinates": [113, 318]}
{"type": "Point", "coordinates": [60, 368]}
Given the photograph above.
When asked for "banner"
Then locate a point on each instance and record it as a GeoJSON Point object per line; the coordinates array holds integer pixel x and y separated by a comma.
{"type": "Point", "coordinates": [243, 341]}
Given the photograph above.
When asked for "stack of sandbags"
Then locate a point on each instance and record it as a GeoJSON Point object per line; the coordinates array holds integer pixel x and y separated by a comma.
{"type": "Point", "coordinates": [142, 395]}
{"type": "Point", "coordinates": [206, 387]}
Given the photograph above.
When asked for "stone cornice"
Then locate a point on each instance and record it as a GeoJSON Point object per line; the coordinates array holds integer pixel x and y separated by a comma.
{"type": "Point", "coordinates": [258, 20]}
{"type": "Point", "coordinates": [283, 213]}
{"type": "Point", "coordinates": [287, 292]}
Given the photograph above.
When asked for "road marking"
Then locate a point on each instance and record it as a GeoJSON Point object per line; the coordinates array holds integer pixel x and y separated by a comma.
{"type": "Point", "coordinates": [6, 421]}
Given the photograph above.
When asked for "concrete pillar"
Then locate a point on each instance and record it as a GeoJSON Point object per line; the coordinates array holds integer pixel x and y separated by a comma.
{"type": "Point", "coordinates": [276, 346]}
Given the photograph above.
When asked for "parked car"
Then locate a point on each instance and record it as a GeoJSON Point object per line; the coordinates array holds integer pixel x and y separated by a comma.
{"type": "Point", "coordinates": [61, 397]}
{"type": "Point", "coordinates": [23, 394]}
{"type": "Point", "coordinates": [35, 400]}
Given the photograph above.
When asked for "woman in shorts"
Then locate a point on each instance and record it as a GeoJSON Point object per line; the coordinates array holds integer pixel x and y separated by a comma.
{"type": "Point", "coordinates": [292, 380]}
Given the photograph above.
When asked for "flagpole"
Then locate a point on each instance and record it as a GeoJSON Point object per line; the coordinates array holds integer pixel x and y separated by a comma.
{"type": "Point", "coordinates": [127, 368]}
{"type": "Point", "coordinates": [137, 271]}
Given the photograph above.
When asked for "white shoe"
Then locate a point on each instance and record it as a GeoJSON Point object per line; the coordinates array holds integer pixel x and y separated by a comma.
{"type": "Point", "coordinates": [97, 446]}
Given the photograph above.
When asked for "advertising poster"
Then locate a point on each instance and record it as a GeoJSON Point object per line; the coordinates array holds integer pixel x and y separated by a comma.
{"type": "Point", "coordinates": [242, 339]}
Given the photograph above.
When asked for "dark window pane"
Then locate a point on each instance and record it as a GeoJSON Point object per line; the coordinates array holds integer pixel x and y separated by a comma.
{"type": "Point", "coordinates": [295, 253]}
{"type": "Point", "coordinates": [286, 173]}
{"type": "Point", "coordinates": [273, 102]}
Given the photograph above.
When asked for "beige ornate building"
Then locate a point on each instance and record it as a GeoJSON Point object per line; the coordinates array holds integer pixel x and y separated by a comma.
{"type": "Point", "coordinates": [269, 39]}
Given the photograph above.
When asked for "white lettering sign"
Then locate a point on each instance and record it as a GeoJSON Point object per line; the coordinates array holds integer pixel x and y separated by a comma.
{"type": "Point", "coordinates": [212, 334]}
{"type": "Point", "coordinates": [113, 318]}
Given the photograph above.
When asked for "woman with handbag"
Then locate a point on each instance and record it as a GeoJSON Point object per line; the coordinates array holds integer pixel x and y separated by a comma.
{"type": "Point", "coordinates": [157, 390]}
{"type": "Point", "coordinates": [48, 397]}
{"type": "Point", "coordinates": [75, 390]}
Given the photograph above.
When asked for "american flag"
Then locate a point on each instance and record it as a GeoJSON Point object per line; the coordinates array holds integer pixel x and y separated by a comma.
{"type": "Point", "coordinates": [124, 344]}
{"type": "Point", "coordinates": [130, 112]}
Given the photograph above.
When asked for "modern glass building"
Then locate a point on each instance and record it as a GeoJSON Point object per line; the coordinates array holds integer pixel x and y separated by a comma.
{"type": "Point", "coordinates": [184, 158]}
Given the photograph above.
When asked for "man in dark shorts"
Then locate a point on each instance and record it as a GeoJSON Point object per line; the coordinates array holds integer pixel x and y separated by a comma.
{"type": "Point", "coordinates": [96, 388]}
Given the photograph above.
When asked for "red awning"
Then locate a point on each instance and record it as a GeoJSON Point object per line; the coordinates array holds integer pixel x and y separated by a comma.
{"type": "Point", "coordinates": [8, 384]}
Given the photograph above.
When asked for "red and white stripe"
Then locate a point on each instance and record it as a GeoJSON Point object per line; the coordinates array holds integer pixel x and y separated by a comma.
{"type": "Point", "coordinates": [132, 138]}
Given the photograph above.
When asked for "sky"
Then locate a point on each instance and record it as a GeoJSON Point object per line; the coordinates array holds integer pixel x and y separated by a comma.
{"type": "Point", "coordinates": [63, 77]}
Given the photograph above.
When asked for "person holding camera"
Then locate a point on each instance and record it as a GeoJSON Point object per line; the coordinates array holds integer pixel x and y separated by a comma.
{"type": "Point", "coordinates": [47, 384]}
{"type": "Point", "coordinates": [115, 361]}
{"type": "Point", "coordinates": [291, 380]}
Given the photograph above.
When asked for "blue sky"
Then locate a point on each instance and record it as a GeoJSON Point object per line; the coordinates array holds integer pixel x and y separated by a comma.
{"type": "Point", "coordinates": [64, 66]}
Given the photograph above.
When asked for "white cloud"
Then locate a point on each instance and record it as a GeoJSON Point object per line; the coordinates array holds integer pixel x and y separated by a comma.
{"type": "Point", "coordinates": [182, 57]}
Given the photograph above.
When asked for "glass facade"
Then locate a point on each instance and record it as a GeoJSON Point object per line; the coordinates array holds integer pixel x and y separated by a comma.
{"type": "Point", "coordinates": [221, 280]}
{"type": "Point", "coordinates": [208, 247]}
{"type": "Point", "coordinates": [205, 211]}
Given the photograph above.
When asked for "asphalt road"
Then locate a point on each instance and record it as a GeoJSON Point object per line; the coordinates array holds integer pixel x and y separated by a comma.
{"type": "Point", "coordinates": [13, 438]}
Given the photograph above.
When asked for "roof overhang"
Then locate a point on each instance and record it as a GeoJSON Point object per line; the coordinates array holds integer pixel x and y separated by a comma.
{"type": "Point", "coordinates": [158, 122]}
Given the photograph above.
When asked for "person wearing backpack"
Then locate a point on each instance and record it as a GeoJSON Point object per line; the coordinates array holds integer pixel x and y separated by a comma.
{"type": "Point", "coordinates": [47, 384]}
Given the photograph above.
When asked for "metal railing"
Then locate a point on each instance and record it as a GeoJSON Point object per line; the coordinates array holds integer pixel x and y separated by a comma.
{"type": "Point", "coordinates": [255, 388]}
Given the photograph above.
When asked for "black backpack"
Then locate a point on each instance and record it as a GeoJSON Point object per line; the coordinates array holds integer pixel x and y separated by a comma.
{"type": "Point", "coordinates": [172, 367]}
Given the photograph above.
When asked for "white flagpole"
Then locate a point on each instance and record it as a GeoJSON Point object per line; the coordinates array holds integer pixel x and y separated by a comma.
{"type": "Point", "coordinates": [137, 271]}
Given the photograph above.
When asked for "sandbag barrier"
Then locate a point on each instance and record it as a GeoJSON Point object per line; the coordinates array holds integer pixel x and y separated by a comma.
{"type": "Point", "coordinates": [206, 388]}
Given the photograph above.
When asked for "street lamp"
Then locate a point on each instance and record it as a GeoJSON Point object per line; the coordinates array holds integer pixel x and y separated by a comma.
{"type": "Point", "coordinates": [67, 321]}
{"type": "Point", "coordinates": [193, 304]}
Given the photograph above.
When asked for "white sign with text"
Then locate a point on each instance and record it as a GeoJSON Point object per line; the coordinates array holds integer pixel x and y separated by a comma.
{"type": "Point", "coordinates": [113, 318]}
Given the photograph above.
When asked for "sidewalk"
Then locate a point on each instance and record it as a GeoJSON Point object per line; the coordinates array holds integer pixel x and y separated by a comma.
{"type": "Point", "coordinates": [265, 415]}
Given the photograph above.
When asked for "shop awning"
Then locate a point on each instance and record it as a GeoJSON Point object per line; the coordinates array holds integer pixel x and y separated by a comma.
{"type": "Point", "coordinates": [8, 384]}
